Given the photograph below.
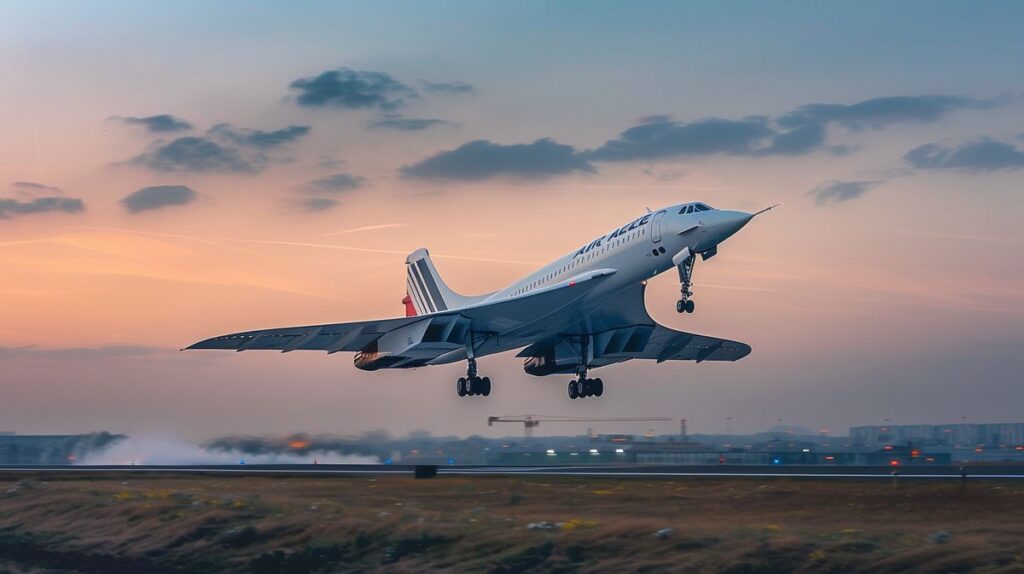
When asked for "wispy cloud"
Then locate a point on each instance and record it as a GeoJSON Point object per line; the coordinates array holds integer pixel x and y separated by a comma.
{"type": "Point", "coordinates": [81, 353]}
{"type": "Point", "coordinates": [162, 123]}
{"type": "Point", "coordinates": [365, 228]}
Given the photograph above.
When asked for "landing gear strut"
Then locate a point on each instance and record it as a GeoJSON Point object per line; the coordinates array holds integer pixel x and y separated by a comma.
{"type": "Point", "coordinates": [685, 304]}
{"type": "Point", "coordinates": [581, 386]}
{"type": "Point", "coordinates": [472, 385]}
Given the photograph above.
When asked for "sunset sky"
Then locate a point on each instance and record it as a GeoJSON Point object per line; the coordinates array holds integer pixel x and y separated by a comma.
{"type": "Point", "coordinates": [170, 172]}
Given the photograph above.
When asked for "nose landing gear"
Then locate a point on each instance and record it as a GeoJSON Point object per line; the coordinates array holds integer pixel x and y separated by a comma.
{"type": "Point", "coordinates": [685, 304]}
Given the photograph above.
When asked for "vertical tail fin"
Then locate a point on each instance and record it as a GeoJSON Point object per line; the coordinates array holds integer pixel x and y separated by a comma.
{"type": "Point", "coordinates": [427, 292]}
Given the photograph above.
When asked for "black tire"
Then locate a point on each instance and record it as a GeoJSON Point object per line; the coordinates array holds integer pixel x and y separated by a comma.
{"type": "Point", "coordinates": [485, 386]}
{"type": "Point", "coordinates": [598, 387]}
{"type": "Point", "coordinates": [573, 391]}
{"type": "Point", "coordinates": [690, 306]}
{"type": "Point", "coordinates": [460, 387]}
{"type": "Point", "coordinates": [680, 306]}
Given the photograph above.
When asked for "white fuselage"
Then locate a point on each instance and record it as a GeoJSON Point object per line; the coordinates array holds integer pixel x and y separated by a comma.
{"type": "Point", "coordinates": [638, 250]}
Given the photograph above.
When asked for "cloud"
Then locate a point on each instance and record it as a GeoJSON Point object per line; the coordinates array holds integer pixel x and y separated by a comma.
{"type": "Point", "coordinates": [798, 132]}
{"type": "Point", "coordinates": [353, 89]}
{"type": "Point", "coordinates": [407, 124]}
{"type": "Point", "coordinates": [447, 88]}
{"type": "Point", "coordinates": [336, 183]}
{"type": "Point", "coordinates": [980, 155]}
{"type": "Point", "coordinates": [163, 123]}
{"type": "Point", "coordinates": [158, 196]}
{"type": "Point", "coordinates": [14, 207]}
{"type": "Point", "coordinates": [797, 141]}
{"type": "Point", "coordinates": [482, 159]}
{"type": "Point", "coordinates": [80, 353]}
{"type": "Point", "coordinates": [329, 161]}
{"type": "Point", "coordinates": [838, 191]}
{"type": "Point", "coordinates": [661, 137]}
{"type": "Point", "coordinates": [881, 112]}
{"type": "Point", "coordinates": [197, 154]}
{"type": "Point", "coordinates": [317, 203]}
{"type": "Point", "coordinates": [259, 138]}
{"type": "Point", "coordinates": [31, 186]}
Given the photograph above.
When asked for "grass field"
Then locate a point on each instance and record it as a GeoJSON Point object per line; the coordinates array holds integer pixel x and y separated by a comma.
{"type": "Point", "coordinates": [54, 523]}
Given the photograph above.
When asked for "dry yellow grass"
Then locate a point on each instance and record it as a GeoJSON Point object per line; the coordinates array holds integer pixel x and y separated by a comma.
{"type": "Point", "coordinates": [51, 523]}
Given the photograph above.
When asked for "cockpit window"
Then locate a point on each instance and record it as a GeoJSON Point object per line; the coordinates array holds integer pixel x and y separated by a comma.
{"type": "Point", "coordinates": [702, 207]}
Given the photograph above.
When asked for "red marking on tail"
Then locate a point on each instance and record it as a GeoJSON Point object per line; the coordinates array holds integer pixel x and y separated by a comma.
{"type": "Point", "coordinates": [410, 310]}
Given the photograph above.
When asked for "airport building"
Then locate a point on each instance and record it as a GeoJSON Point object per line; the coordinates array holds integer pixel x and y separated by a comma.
{"type": "Point", "coordinates": [52, 449]}
{"type": "Point", "coordinates": [988, 435]}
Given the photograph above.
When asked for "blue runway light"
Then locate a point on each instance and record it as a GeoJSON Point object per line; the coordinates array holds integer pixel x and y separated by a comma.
{"type": "Point", "coordinates": [451, 461]}
{"type": "Point", "coordinates": [776, 461]}
{"type": "Point", "coordinates": [387, 461]}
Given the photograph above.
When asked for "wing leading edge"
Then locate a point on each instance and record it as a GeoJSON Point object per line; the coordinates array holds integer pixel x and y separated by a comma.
{"type": "Point", "coordinates": [487, 319]}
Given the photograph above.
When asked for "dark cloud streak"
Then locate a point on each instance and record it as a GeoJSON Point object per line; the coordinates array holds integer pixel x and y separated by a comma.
{"type": "Point", "coordinates": [260, 138]}
{"type": "Point", "coordinates": [336, 183]}
{"type": "Point", "coordinates": [157, 197]}
{"type": "Point", "coordinates": [197, 154]}
{"type": "Point", "coordinates": [50, 204]}
{"type": "Point", "coordinates": [407, 124]}
{"type": "Point", "coordinates": [482, 159]}
{"type": "Point", "coordinates": [447, 88]}
{"type": "Point", "coordinates": [981, 155]}
{"type": "Point", "coordinates": [838, 191]}
{"type": "Point", "coordinates": [162, 123]}
{"type": "Point", "coordinates": [663, 137]}
{"type": "Point", "coordinates": [353, 89]}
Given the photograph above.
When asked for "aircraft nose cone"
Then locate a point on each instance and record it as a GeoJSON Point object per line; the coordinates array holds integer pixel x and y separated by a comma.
{"type": "Point", "coordinates": [732, 221]}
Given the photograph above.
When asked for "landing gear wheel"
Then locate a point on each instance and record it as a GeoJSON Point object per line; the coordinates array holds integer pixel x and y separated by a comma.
{"type": "Point", "coordinates": [573, 391]}
{"type": "Point", "coordinates": [460, 387]}
{"type": "Point", "coordinates": [485, 386]}
{"type": "Point", "coordinates": [598, 387]}
{"type": "Point", "coordinates": [588, 388]}
{"type": "Point", "coordinates": [689, 306]}
{"type": "Point", "coordinates": [680, 306]}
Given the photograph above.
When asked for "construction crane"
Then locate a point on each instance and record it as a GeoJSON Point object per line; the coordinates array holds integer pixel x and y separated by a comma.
{"type": "Point", "coordinates": [531, 422]}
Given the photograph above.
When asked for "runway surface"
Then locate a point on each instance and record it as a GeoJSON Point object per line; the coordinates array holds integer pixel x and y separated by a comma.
{"type": "Point", "coordinates": [622, 471]}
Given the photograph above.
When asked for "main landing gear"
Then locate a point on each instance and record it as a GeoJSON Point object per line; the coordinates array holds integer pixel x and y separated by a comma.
{"type": "Point", "coordinates": [582, 388]}
{"type": "Point", "coordinates": [472, 385]}
{"type": "Point", "coordinates": [685, 304]}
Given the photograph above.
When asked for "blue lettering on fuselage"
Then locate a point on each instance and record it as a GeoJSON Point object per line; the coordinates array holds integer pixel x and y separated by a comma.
{"type": "Point", "coordinates": [635, 224]}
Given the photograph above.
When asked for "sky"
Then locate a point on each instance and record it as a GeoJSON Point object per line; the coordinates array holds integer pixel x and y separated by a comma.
{"type": "Point", "coordinates": [171, 172]}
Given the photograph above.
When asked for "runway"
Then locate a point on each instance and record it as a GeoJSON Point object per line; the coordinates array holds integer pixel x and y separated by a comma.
{"type": "Point", "coordinates": [607, 471]}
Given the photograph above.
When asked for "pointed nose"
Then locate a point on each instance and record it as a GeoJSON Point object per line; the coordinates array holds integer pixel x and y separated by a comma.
{"type": "Point", "coordinates": [730, 222]}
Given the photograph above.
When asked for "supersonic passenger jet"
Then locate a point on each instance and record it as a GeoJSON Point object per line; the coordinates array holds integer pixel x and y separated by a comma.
{"type": "Point", "coordinates": [580, 312]}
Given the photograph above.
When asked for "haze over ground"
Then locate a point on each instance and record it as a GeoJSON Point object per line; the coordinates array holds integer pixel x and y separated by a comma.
{"type": "Point", "coordinates": [175, 172]}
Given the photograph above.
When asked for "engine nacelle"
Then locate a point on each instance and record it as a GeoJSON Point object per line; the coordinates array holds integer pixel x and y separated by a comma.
{"type": "Point", "coordinates": [413, 345]}
{"type": "Point", "coordinates": [560, 358]}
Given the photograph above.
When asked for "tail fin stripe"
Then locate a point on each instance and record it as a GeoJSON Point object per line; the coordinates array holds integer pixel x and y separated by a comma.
{"type": "Point", "coordinates": [416, 298]}
{"type": "Point", "coordinates": [415, 272]}
{"type": "Point", "coordinates": [435, 293]}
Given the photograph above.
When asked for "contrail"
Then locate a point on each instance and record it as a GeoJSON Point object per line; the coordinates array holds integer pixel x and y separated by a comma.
{"type": "Point", "coordinates": [365, 228]}
{"type": "Point", "coordinates": [214, 240]}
